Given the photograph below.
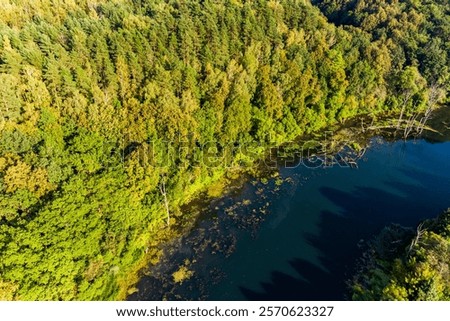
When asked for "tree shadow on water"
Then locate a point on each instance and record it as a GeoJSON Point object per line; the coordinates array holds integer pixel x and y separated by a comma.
{"type": "Point", "coordinates": [362, 215]}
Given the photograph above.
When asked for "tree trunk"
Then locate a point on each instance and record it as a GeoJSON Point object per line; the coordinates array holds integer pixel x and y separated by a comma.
{"type": "Point", "coordinates": [405, 101]}
{"type": "Point", "coordinates": [162, 188]}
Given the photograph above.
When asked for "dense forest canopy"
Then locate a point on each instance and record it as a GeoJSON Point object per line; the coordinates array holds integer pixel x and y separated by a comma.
{"type": "Point", "coordinates": [95, 95]}
{"type": "Point", "coordinates": [415, 31]}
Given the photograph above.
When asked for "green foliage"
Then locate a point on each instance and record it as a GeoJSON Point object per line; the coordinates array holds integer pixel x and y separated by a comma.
{"type": "Point", "coordinates": [415, 32]}
{"type": "Point", "coordinates": [418, 271]}
{"type": "Point", "coordinates": [101, 99]}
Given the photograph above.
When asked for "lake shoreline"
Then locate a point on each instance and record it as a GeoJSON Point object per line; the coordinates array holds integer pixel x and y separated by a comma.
{"type": "Point", "coordinates": [234, 185]}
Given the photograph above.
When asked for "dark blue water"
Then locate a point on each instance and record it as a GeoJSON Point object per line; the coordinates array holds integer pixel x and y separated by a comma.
{"type": "Point", "coordinates": [311, 228]}
{"type": "Point", "coordinates": [307, 247]}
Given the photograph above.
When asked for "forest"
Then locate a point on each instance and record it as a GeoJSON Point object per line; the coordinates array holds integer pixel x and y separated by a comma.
{"type": "Point", "coordinates": [110, 109]}
{"type": "Point", "coordinates": [404, 264]}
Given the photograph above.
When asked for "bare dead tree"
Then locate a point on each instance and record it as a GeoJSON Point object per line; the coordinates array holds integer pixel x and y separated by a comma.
{"type": "Point", "coordinates": [409, 125]}
{"type": "Point", "coordinates": [434, 96]}
{"type": "Point", "coordinates": [419, 233]}
{"type": "Point", "coordinates": [162, 189]}
{"type": "Point", "coordinates": [407, 96]}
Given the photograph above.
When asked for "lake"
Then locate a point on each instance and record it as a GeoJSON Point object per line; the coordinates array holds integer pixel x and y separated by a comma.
{"type": "Point", "coordinates": [298, 235]}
